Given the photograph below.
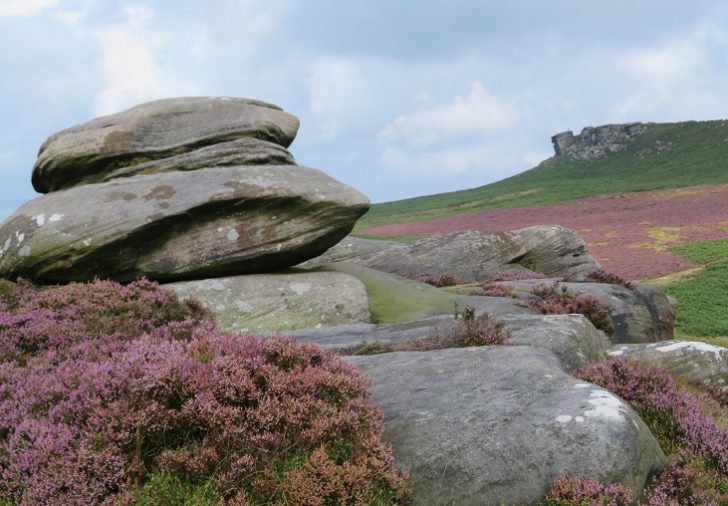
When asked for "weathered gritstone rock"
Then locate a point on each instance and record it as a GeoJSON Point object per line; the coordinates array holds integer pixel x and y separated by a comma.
{"type": "Point", "coordinates": [555, 251]}
{"type": "Point", "coordinates": [496, 425]}
{"type": "Point", "coordinates": [639, 316]}
{"type": "Point", "coordinates": [571, 337]}
{"type": "Point", "coordinates": [234, 153]}
{"type": "Point", "coordinates": [180, 225]}
{"type": "Point", "coordinates": [351, 248]}
{"type": "Point", "coordinates": [269, 302]}
{"type": "Point", "coordinates": [475, 254]}
{"type": "Point", "coordinates": [693, 361]}
{"type": "Point", "coordinates": [96, 150]}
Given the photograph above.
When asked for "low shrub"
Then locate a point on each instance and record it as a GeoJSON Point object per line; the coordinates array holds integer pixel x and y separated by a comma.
{"type": "Point", "coordinates": [558, 299]}
{"type": "Point", "coordinates": [600, 276]}
{"type": "Point", "coordinates": [579, 491]}
{"type": "Point", "coordinates": [516, 275]}
{"type": "Point", "coordinates": [470, 330]}
{"type": "Point", "coordinates": [134, 398]}
{"type": "Point", "coordinates": [493, 290]}
{"type": "Point", "coordinates": [441, 280]}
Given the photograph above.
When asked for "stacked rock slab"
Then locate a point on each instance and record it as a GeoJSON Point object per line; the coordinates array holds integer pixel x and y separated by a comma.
{"type": "Point", "coordinates": [175, 189]}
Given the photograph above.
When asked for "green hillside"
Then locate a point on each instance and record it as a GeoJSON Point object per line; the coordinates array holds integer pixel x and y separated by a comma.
{"type": "Point", "coordinates": [696, 154]}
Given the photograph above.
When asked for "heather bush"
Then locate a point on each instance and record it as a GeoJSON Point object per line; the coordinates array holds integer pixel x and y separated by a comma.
{"type": "Point", "coordinates": [516, 275]}
{"type": "Point", "coordinates": [697, 470]}
{"type": "Point", "coordinates": [441, 280]}
{"type": "Point", "coordinates": [123, 395]}
{"type": "Point", "coordinates": [492, 290]}
{"type": "Point", "coordinates": [579, 491]}
{"type": "Point", "coordinates": [600, 276]}
{"type": "Point", "coordinates": [557, 299]}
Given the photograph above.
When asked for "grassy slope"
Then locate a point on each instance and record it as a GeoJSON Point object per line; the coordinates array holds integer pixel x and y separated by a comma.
{"type": "Point", "coordinates": [698, 155]}
{"type": "Point", "coordinates": [703, 297]}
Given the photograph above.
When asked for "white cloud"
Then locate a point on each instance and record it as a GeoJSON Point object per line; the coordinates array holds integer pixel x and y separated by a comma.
{"type": "Point", "coordinates": [339, 94]}
{"type": "Point", "coordinates": [132, 65]}
{"type": "Point", "coordinates": [479, 112]}
{"type": "Point", "coordinates": [24, 7]}
{"type": "Point", "coordinates": [680, 79]}
{"type": "Point", "coordinates": [441, 162]}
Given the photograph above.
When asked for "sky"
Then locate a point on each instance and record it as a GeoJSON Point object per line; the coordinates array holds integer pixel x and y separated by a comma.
{"type": "Point", "coordinates": [396, 98]}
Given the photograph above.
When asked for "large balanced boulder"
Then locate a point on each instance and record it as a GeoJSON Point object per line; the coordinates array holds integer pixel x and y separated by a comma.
{"type": "Point", "coordinates": [496, 425]}
{"type": "Point", "coordinates": [283, 301]}
{"type": "Point", "coordinates": [694, 361]}
{"type": "Point", "coordinates": [111, 146]}
{"type": "Point", "coordinates": [180, 225]}
{"type": "Point", "coordinates": [473, 254]}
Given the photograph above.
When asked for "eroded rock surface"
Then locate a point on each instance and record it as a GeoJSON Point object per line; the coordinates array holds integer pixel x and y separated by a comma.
{"type": "Point", "coordinates": [98, 149]}
{"type": "Point", "coordinates": [180, 225]}
{"type": "Point", "coordinates": [496, 425]}
{"type": "Point", "coordinates": [269, 302]}
{"type": "Point", "coordinates": [473, 254]}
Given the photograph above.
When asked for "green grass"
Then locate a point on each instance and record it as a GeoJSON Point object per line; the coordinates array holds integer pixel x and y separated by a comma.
{"type": "Point", "coordinates": [703, 298]}
{"type": "Point", "coordinates": [698, 155]}
{"type": "Point", "coordinates": [394, 299]}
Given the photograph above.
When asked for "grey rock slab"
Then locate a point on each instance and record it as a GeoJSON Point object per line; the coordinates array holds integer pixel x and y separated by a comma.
{"type": "Point", "coordinates": [159, 129]}
{"type": "Point", "coordinates": [177, 226]}
{"type": "Point", "coordinates": [694, 361]}
{"type": "Point", "coordinates": [351, 248]}
{"type": "Point", "coordinates": [348, 336]}
{"type": "Point", "coordinates": [269, 302]}
{"type": "Point", "coordinates": [497, 424]}
{"type": "Point", "coordinates": [245, 151]}
{"type": "Point", "coordinates": [572, 338]}
{"type": "Point", "coordinates": [470, 254]}
{"type": "Point", "coordinates": [555, 251]}
{"type": "Point", "coordinates": [640, 315]}
{"type": "Point", "coordinates": [477, 255]}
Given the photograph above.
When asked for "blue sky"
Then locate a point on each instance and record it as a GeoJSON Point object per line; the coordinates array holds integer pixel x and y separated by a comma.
{"type": "Point", "coordinates": [396, 98]}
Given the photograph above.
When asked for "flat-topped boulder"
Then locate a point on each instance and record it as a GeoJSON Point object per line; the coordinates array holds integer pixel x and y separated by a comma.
{"type": "Point", "coordinates": [281, 301]}
{"type": "Point", "coordinates": [96, 150]}
{"type": "Point", "coordinates": [174, 226]}
{"type": "Point", "coordinates": [693, 361]}
{"type": "Point", "coordinates": [497, 424]}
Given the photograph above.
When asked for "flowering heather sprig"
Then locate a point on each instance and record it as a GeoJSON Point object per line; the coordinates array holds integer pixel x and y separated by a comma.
{"type": "Point", "coordinates": [516, 276]}
{"type": "Point", "coordinates": [601, 276]}
{"type": "Point", "coordinates": [441, 280]}
{"type": "Point", "coordinates": [91, 412]}
{"type": "Point", "coordinates": [578, 491]}
{"type": "Point", "coordinates": [492, 290]}
{"type": "Point", "coordinates": [557, 299]}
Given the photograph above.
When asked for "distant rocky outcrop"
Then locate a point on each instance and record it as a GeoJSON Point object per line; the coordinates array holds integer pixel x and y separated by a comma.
{"type": "Point", "coordinates": [595, 142]}
{"type": "Point", "coordinates": [172, 190]}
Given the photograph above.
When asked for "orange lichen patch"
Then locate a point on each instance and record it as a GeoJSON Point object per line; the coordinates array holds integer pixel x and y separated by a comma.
{"type": "Point", "coordinates": [611, 234]}
{"type": "Point", "coordinates": [599, 243]}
